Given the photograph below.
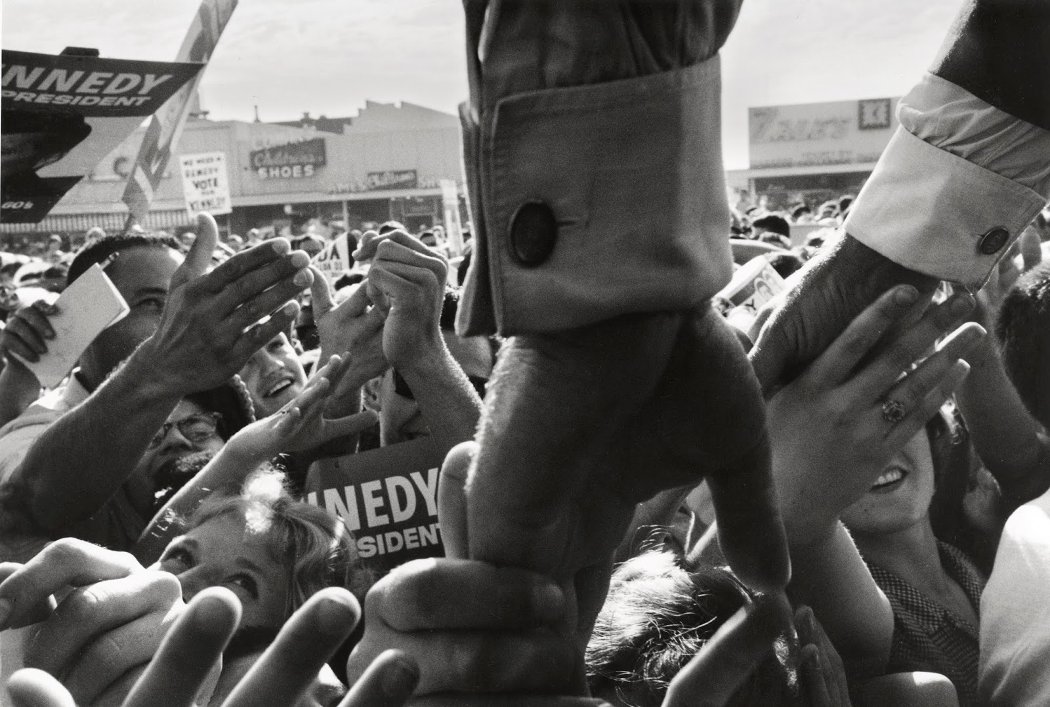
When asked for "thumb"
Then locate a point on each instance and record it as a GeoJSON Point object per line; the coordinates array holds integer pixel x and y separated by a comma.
{"type": "Point", "coordinates": [1031, 248]}
{"type": "Point", "coordinates": [452, 500]}
{"type": "Point", "coordinates": [769, 358]}
{"type": "Point", "coordinates": [198, 260]}
{"type": "Point", "coordinates": [320, 294]}
{"type": "Point", "coordinates": [732, 654]}
{"type": "Point", "coordinates": [30, 687]}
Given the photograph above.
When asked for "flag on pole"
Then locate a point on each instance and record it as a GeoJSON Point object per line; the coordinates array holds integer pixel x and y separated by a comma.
{"type": "Point", "coordinates": [167, 123]}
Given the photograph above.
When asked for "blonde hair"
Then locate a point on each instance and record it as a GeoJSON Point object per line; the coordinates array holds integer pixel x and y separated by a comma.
{"type": "Point", "coordinates": [314, 546]}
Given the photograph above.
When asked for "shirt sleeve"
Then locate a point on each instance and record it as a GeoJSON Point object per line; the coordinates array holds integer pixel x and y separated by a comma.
{"type": "Point", "coordinates": [1015, 612]}
{"type": "Point", "coordinates": [596, 201]}
{"type": "Point", "coordinates": [955, 187]}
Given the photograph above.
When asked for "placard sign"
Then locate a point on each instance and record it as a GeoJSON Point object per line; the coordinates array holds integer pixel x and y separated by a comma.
{"type": "Point", "coordinates": [388, 499]}
{"type": "Point", "coordinates": [206, 183]}
{"type": "Point", "coordinates": [334, 261]}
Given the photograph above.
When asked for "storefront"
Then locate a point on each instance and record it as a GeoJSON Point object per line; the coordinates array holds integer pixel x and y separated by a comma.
{"type": "Point", "coordinates": [389, 163]}
{"type": "Point", "coordinates": [814, 151]}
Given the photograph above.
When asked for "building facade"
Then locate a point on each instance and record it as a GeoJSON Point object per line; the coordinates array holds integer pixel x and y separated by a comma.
{"type": "Point", "coordinates": [813, 151]}
{"type": "Point", "coordinates": [389, 161]}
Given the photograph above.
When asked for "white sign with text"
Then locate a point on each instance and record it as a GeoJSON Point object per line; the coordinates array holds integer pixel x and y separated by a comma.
{"type": "Point", "coordinates": [205, 183]}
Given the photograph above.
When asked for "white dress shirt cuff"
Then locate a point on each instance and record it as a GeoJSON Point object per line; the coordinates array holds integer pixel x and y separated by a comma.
{"type": "Point", "coordinates": [940, 214]}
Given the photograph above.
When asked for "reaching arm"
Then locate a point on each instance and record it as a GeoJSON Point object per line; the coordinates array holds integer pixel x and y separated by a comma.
{"type": "Point", "coordinates": [831, 574]}
{"type": "Point", "coordinates": [300, 425]}
{"type": "Point", "coordinates": [412, 278]}
{"type": "Point", "coordinates": [960, 180]}
{"type": "Point", "coordinates": [81, 460]}
{"type": "Point", "coordinates": [208, 329]}
{"type": "Point", "coordinates": [1010, 442]}
{"type": "Point", "coordinates": [831, 439]}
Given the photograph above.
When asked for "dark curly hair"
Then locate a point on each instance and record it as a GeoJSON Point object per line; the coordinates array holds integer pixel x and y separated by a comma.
{"type": "Point", "coordinates": [1023, 330]}
{"type": "Point", "coordinates": [98, 249]}
{"type": "Point", "coordinates": [657, 616]}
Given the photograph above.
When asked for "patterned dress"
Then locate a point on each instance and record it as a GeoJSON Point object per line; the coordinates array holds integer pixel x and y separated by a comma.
{"type": "Point", "coordinates": [931, 637]}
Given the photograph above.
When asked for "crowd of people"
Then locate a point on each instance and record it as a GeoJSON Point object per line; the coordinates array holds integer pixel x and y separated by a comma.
{"type": "Point", "coordinates": [843, 503]}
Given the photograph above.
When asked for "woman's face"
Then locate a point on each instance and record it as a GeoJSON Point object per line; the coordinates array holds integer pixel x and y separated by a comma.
{"type": "Point", "coordinates": [901, 496]}
{"type": "Point", "coordinates": [221, 552]}
{"type": "Point", "coordinates": [273, 376]}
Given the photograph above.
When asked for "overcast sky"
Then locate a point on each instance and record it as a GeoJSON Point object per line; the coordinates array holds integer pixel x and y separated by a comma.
{"type": "Point", "coordinates": [329, 56]}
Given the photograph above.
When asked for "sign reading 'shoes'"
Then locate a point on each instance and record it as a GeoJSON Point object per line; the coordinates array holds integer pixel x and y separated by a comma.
{"type": "Point", "coordinates": [294, 160]}
{"type": "Point", "coordinates": [206, 183]}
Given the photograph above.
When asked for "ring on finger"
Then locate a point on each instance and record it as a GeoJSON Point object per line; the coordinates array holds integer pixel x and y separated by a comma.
{"type": "Point", "coordinates": [893, 411]}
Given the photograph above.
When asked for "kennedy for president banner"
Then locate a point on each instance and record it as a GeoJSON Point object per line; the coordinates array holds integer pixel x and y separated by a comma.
{"type": "Point", "coordinates": [62, 114]}
{"type": "Point", "coordinates": [388, 499]}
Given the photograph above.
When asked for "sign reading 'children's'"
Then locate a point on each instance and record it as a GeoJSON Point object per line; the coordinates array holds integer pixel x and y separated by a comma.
{"type": "Point", "coordinates": [388, 499]}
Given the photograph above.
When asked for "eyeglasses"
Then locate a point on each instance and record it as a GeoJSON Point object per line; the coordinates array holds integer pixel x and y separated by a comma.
{"type": "Point", "coordinates": [402, 389]}
{"type": "Point", "coordinates": [197, 428]}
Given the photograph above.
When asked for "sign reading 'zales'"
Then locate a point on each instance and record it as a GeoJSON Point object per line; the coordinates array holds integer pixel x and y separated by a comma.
{"type": "Point", "coordinates": [293, 160]}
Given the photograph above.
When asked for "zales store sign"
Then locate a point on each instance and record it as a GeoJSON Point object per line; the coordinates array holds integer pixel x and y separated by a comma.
{"type": "Point", "coordinates": [294, 160]}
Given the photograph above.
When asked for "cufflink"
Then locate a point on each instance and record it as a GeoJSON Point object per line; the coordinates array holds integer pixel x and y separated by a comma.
{"type": "Point", "coordinates": [533, 233]}
{"type": "Point", "coordinates": [993, 241]}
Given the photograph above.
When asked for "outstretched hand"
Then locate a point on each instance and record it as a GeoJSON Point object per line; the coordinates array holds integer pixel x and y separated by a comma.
{"type": "Point", "coordinates": [100, 636]}
{"type": "Point", "coordinates": [836, 286]}
{"type": "Point", "coordinates": [178, 675]}
{"type": "Point", "coordinates": [582, 425]}
{"type": "Point", "coordinates": [410, 278]}
{"type": "Point", "coordinates": [301, 424]}
{"type": "Point", "coordinates": [829, 429]}
{"type": "Point", "coordinates": [214, 321]}
{"type": "Point", "coordinates": [354, 326]}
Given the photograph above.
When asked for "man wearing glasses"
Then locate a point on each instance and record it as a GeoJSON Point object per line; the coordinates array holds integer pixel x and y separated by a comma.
{"type": "Point", "coordinates": [66, 459]}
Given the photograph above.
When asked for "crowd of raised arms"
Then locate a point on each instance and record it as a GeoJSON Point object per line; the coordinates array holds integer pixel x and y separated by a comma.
{"type": "Point", "coordinates": [647, 492]}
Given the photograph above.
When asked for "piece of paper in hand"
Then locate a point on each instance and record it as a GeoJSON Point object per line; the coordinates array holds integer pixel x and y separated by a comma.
{"type": "Point", "coordinates": [85, 309]}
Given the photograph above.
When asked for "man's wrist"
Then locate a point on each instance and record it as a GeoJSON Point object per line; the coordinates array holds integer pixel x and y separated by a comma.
{"type": "Point", "coordinates": [144, 371]}
{"type": "Point", "coordinates": [862, 267]}
{"type": "Point", "coordinates": [427, 356]}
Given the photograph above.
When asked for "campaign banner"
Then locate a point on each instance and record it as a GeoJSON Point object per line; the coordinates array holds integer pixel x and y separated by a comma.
{"type": "Point", "coordinates": [60, 115]}
{"type": "Point", "coordinates": [166, 127]}
{"type": "Point", "coordinates": [205, 183]}
{"type": "Point", "coordinates": [293, 160]}
{"type": "Point", "coordinates": [334, 261]}
{"type": "Point", "coordinates": [388, 499]}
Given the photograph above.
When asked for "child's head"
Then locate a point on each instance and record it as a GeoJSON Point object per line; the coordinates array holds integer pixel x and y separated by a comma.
{"type": "Point", "coordinates": [273, 552]}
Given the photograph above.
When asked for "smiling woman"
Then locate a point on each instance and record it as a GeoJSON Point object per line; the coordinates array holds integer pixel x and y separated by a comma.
{"type": "Point", "coordinates": [273, 376]}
